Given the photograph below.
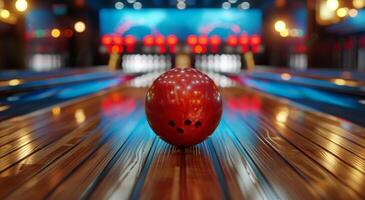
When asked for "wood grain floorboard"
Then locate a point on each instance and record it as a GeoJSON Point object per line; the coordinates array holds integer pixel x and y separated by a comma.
{"type": "Point", "coordinates": [276, 170]}
{"type": "Point", "coordinates": [347, 144]}
{"type": "Point", "coordinates": [45, 122]}
{"type": "Point", "coordinates": [22, 171]}
{"type": "Point", "coordinates": [33, 163]}
{"type": "Point", "coordinates": [326, 159]}
{"type": "Point", "coordinates": [243, 179]}
{"type": "Point", "coordinates": [181, 174]}
{"type": "Point", "coordinates": [77, 184]}
{"type": "Point", "coordinates": [262, 122]}
{"type": "Point", "coordinates": [122, 174]}
{"type": "Point", "coordinates": [317, 177]}
{"type": "Point", "coordinates": [40, 185]}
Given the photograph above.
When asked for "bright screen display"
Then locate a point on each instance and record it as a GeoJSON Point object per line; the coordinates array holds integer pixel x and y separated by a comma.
{"type": "Point", "coordinates": [180, 22]}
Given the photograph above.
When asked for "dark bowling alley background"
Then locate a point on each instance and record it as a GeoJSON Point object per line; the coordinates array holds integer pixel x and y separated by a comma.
{"type": "Point", "coordinates": [223, 36]}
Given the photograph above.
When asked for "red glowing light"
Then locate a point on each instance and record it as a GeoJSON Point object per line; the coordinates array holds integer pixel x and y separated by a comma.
{"type": "Point", "coordinates": [172, 49]}
{"type": "Point", "coordinates": [115, 103]}
{"type": "Point", "coordinates": [116, 49]}
{"type": "Point", "coordinates": [255, 49]}
{"type": "Point", "coordinates": [130, 40]}
{"type": "Point", "coordinates": [172, 40]}
{"type": "Point", "coordinates": [68, 33]}
{"type": "Point", "coordinates": [148, 40]}
{"type": "Point", "coordinates": [106, 40]}
{"type": "Point", "coordinates": [232, 40]}
{"type": "Point", "coordinates": [198, 49]}
{"type": "Point", "coordinates": [118, 40]}
{"type": "Point", "coordinates": [160, 40]}
{"type": "Point", "coordinates": [245, 105]}
{"type": "Point", "coordinates": [203, 40]}
{"type": "Point", "coordinates": [162, 49]}
{"type": "Point", "coordinates": [300, 49]}
{"type": "Point", "coordinates": [244, 39]}
{"type": "Point", "coordinates": [214, 49]}
{"type": "Point", "coordinates": [192, 40]}
{"type": "Point", "coordinates": [255, 40]}
{"type": "Point", "coordinates": [215, 40]}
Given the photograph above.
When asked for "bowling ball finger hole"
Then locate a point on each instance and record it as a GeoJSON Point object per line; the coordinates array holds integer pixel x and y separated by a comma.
{"type": "Point", "coordinates": [180, 130]}
{"type": "Point", "coordinates": [172, 123]}
{"type": "Point", "coordinates": [198, 124]}
{"type": "Point", "coordinates": [187, 122]}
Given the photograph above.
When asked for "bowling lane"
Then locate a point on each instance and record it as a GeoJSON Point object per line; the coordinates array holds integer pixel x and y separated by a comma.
{"type": "Point", "coordinates": [334, 84]}
{"type": "Point", "coordinates": [347, 102]}
{"type": "Point", "coordinates": [17, 85]}
{"type": "Point", "coordinates": [40, 94]}
{"type": "Point", "coordinates": [330, 74]}
{"type": "Point", "coordinates": [100, 146]}
{"type": "Point", "coordinates": [25, 75]}
{"type": "Point", "coordinates": [323, 74]}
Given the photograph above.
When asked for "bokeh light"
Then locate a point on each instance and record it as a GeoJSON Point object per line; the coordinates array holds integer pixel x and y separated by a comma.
{"type": "Point", "coordinates": [332, 4]}
{"type": "Point", "coordinates": [55, 33]}
{"type": "Point", "coordinates": [119, 5]}
{"type": "Point", "coordinates": [353, 12]}
{"type": "Point", "coordinates": [358, 3]}
{"type": "Point", "coordinates": [284, 33]}
{"type": "Point", "coordinates": [280, 25]}
{"type": "Point", "coordinates": [342, 12]}
{"type": "Point", "coordinates": [80, 26]}
{"type": "Point", "coordinates": [21, 5]}
{"type": "Point", "coordinates": [4, 13]}
{"type": "Point", "coordinates": [14, 82]}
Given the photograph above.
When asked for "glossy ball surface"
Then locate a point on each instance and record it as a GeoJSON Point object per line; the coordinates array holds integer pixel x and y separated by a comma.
{"type": "Point", "coordinates": [183, 106]}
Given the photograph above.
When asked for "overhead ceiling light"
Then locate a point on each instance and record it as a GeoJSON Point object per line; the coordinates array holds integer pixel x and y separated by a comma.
{"type": "Point", "coordinates": [226, 5]}
{"type": "Point", "coordinates": [21, 5]}
{"type": "Point", "coordinates": [353, 12]}
{"type": "Point", "coordinates": [137, 5]}
{"type": "Point", "coordinates": [280, 25]}
{"type": "Point", "coordinates": [181, 5]}
{"type": "Point", "coordinates": [325, 13]}
{"type": "Point", "coordinates": [232, 1]}
{"type": "Point", "coordinates": [342, 12]}
{"type": "Point", "coordinates": [131, 1]}
{"type": "Point", "coordinates": [80, 26]}
{"type": "Point", "coordinates": [358, 3]}
{"type": "Point", "coordinates": [284, 33]}
{"type": "Point", "coordinates": [4, 13]}
{"type": "Point", "coordinates": [244, 5]}
{"type": "Point", "coordinates": [332, 4]}
{"type": "Point", "coordinates": [55, 33]}
{"type": "Point", "coordinates": [119, 5]}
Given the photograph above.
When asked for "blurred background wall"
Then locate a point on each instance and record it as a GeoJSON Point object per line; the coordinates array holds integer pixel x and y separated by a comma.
{"type": "Point", "coordinates": [299, 34]}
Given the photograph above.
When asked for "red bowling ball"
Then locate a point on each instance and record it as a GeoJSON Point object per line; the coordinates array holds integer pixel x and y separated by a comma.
{"type": "Point", "coordinates": [183, 106]}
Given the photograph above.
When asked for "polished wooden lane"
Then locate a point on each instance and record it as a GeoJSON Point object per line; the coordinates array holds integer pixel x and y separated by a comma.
{"type": "Point", "coordinates": [27, 76]}
{"type": "Point", "coordinates": [351, 78]}
{"type": "Point", "coordinates": [20, 86]}
{"type": "Point", "coordinates": [101, 147]}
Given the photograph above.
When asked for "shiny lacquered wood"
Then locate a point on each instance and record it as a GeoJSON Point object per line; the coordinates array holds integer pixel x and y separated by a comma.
{"type": "Point", "coordinates": [26, 76]}
{"type": "Point", "coordinates": [101, 147]}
